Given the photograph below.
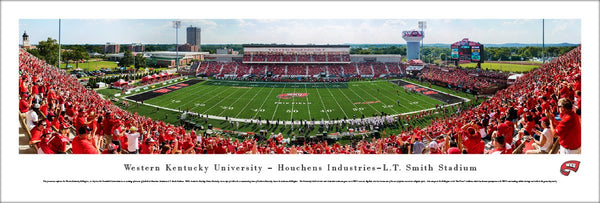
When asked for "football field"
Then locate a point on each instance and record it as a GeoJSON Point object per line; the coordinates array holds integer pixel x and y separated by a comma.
{"type": "Point", "coordinates": [292, 101]}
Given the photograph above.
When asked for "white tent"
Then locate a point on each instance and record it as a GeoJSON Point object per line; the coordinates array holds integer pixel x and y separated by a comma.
{"type": "Point", "coordinates": [101, 84]}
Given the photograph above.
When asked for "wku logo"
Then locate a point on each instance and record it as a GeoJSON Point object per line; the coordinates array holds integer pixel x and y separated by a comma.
{"type": "Point", "coordinates": [569, 166]}
{"type": "Point", "coordinates": [290, 95]}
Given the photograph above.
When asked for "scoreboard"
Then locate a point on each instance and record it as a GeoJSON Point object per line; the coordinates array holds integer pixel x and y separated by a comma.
{"type": "Point", "coordinates": [476, 53]}
{"type": "Point", "coordinates": [466, 50]}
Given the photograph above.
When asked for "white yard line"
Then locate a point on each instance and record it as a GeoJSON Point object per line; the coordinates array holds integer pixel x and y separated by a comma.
{"type": "Point", "coordinates": [378, 99]}
{"type": "Point", "coordinates": [160, 100]}
{"type": "Point", "coordinates": [238, 99]}
{"type": "Point", "coordinates": [266, 98]}
{"type": "Point", "coordinates": [307, 103]}
{"type": "Point", "coordinates": [323, 103]}
{"type": "Point", "coordinates": [351, 100]}
{"type": "Point", "coordinates": [334, 99]}
{"type": "Point", "coordinates": [293, 98]}
{"type": "Point", "coordinates": [364, 100]}
{"type": "Point", "coordinates": [348, 100]}
{"type": "Point", "coordinates": [279, 101]}
{"type": "Point", "coordinates": [405, 107]}
{"type": "Point", "coordinates": [216, 104]}
{"type": "Point", "coordinates": [248, 103]}
{"type": "Point", "coordinates": [409, 101]}
{"type": "Point", "coordinates": [197, 96]}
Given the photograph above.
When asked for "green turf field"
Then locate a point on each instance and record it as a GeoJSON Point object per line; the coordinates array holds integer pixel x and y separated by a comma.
{"type": "Point", "coordinates": [92, 65]}
{"type": "Point", "coordinates": [238, 99]}
{"type": "Point", "coordinates": [503, 67]}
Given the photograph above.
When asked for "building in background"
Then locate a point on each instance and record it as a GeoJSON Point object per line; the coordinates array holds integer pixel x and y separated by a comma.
{"type": "Point", "coordinates": [167, 58]}
{"type": "Point", "coordinates": [110, 48]}
{"type": "Point", "coordinates": [138, 47]}
{"type": "Point", "coordinates": [26, 44]}
{"type": "Point", "coordinates": [188, 47]}
{"type": "Point", "coordinates": [193, 36]}
{"type": "Point", "coordinates": [225, 50]}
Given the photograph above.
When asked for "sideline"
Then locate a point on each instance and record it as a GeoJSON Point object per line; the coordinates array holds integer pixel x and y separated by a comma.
{"type": "Point", "coordinates": [465, 99]}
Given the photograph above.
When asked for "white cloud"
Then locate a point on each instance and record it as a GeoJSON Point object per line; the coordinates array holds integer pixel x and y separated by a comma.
{"type": "Point", "coordinates": [203, 24]}
{"type": "Point", "coordinates": [394, 23]}
{"type": "Point", "coordinates": [518, 21]}
{"type": "Point", "coordinates": [243, 23]}
{"type": "Point", "coordinates": [268, 20]}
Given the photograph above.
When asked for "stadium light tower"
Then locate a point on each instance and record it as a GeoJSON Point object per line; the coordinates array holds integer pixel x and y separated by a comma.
{"type": "Point", "coordinates": [133, 53]}
{"type": "Point", "coordinates": [543, 43]}
{"type": "Point", "coordinates": [422, 26]}
{"type": "Point", "coordinates": [59, 45]}
{"type": "Point", "coordinates": [177, 25]}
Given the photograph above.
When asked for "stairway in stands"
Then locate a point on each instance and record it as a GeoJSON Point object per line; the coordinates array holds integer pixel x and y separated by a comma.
{"type": "Point", "coordinates": [387, 69]}
{"type": "Point", "coordinates": [306, 70]}
{"type": "Point", "coordinates": [24, 147]}
{"type": "Point", "coordinates": [373, 70]}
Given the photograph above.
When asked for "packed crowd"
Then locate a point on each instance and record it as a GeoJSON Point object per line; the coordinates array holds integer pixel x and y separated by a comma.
{"type": "Point", "coordinates": [349, 69]}
{"type": "Point", "coordinates": [257, 70]}
{"type": "Point", "coordinates": [364, 68]}
{"type": "Point", "coordinates": [316, 69]}
{"type": "Point", "coordinates": [487, 73]}
{"type": "Point", "coordinates": [220, 69]}
{"type": "Point", "coordinates": [296, 57]}
{"type": "Point", "coordinates": [296, 70]}
{"type": "Point", "coordinates": [456, 77]}
{"type": "Point", "coordinates": [543, 105]}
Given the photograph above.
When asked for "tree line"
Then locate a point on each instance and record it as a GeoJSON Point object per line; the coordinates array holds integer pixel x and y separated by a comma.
{"type": "Point", "coordinates": [111, 79]}
{"type": "Point", "coordinates": [491, 53]}
{"type": "Point", "coordinates": [48, 51]}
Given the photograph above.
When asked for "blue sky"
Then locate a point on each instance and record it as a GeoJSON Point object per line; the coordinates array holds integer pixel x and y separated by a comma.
{"type": "Point", "coordinates": [302, 31]}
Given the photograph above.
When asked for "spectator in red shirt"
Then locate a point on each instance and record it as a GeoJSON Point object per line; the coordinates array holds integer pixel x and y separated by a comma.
{"type": "Point", "coordinates": [499, 145]}
{"type": "Point", "coordinates": [473, 144]}
{"type": "Point", "coordinates": [220, 149]}
{"type": "Point", "coordinates": [25, 103]}
{"type": "Point", "coordinates": [147, 146]}
{"type": "Point", "coordinates": [110, 149]}
{"type": "Point", "coordinates": [568, 129]}
{"type": "Point", "coordinates": [505, 130]}
{"type": "Point", "coordinates": [529, 124]}
{"type": "Point", "coordinates": [44, 147]}
{"type": "Point", "coordinates": [83, 143]}
{"type": "Point", "coordinates": [433, 148]}
{"type": "Point", "coordinates": [53, 143]}
{"type": "Point", "coordinates": [56, 144]}
{"type": "Point", "coordinates": [36, 134]}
